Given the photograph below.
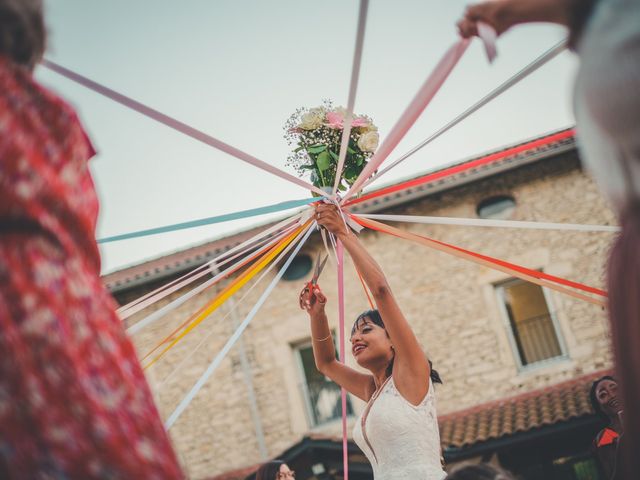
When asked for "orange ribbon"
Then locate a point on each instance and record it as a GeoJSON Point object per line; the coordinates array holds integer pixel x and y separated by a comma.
{"type": "Point", "coordinates": [225, 294]}
{"type": "Point", "coordinates": [533, 276]}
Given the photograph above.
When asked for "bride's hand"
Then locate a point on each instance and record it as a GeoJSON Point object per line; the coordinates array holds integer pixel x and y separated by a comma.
{"type": "Point", "coordinates": [330, 218]}
{"type": "Point", "coordinates": [312, 301]}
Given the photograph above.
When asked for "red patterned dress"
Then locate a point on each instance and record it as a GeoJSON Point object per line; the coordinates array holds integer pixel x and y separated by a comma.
{"type": "Point", "coordinates": [74, 403]}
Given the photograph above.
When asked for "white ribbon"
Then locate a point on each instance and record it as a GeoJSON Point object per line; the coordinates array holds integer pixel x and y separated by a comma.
{"type": "Point", "coordinates": [480, 222]}
{"type": "Point", "coordinates": [233, 307]}
{"type": "Point", "coordinates": [236, 335]}
{"type": "Point", "coordinates": [423, 98]}
{"type": "Point", "coordinates": [176, 124]}
{"type": "Point", "coordinates": [162, 292]}
{"type": "Point", "coordinates": [158, 314]}
{"type": "Point", "coordinates": [510, 82]}
{"type": "Point", "coordinates": [489, 36]}
{"type": "Point", "coordinates": [353, 86]}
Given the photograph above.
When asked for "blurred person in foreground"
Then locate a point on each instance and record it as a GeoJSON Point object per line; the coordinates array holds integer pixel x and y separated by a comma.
{"type": "Point", "coordinates": [606, 36]}
{"type": "Point", "coordinates": [74, 403]}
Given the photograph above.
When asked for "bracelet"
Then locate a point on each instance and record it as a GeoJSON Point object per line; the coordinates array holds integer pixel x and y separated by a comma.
{"type": "Point", "coordinates": [323, 339]}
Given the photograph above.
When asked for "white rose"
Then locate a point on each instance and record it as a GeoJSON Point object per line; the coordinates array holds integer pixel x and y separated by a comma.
{"type": "Point", "coordinates": [312, 119]}
{"type": "Point", "coordinates": [368, 142]}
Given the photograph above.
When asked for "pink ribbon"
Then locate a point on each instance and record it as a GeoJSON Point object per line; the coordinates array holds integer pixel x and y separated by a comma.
{"type": "Point", "coordinates": [424, 96]}
{"type": "Point", "coordinates": [282, 228]}
{"type": "Point", "coordinates": [432, 84]}
{"type": "Point", "coordinates": [353, 85]}
{"type": "Point", "coordinates": [343, 392]}
{"type": "Point", "coordinates": [176, 125]}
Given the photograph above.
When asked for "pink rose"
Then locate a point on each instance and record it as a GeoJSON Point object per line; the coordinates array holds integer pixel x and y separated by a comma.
{"type": "Point", "coordinates": [360, 122]}
{"type": "Point", "coordinates": [335, 119]}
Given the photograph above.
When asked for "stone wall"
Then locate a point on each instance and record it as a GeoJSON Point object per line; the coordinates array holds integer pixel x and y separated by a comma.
{"type": "Point", "coordinates": [451, 303]}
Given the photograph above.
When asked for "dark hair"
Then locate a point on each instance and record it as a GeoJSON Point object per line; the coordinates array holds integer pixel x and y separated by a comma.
{"type": "Point", "coordinates": [270, 470]}
{"type": "Point", "coordinates": [479, 471]}
{"type": "Point", "coordinates": [22, 31]}
{"type": "Point", "coordinates": [375, 318]}
{"type": "Point", "coordinates": [593, 397]}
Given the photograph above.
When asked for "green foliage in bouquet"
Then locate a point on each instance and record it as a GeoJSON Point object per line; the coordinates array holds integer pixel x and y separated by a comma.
{"type": "Point", "coordinates": [316, 134]}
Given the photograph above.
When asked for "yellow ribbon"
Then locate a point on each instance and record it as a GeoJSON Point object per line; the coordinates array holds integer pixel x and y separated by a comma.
{"type": "Point", "coordinates": [236, 285]}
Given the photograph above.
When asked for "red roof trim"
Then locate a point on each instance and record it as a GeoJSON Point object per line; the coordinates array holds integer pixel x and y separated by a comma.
{"type": "Point", "coordinates": [430, 177]}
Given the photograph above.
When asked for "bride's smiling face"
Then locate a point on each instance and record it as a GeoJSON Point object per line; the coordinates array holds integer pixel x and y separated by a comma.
{"type": "Point", "coordinates": [370, 344]}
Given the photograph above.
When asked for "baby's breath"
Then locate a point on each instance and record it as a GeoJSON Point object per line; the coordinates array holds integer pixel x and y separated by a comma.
{"type": "Point", "coordinates": [315, 152]}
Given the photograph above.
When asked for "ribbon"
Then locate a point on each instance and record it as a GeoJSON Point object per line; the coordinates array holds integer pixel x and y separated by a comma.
{"type": "Point", "coordinates": [252, 212]}
{"type": "Point", "coordinates": [331, 253]}
{"type": "Point", "coordinates": [353, 86]}
{"type": "Point", "coordinates": [200, 311]}
{"type": "Point", "coordinates": [236, 335]}
{"type": "Point", "coordinates": [366, 289]}
{"type": "Point", "coordinates": [481, 222]}
{"type": "Point", "coordinates": [431, 177]}
{"type": "Point", "coordinates": [264, 252]}
{"type": "Point", "coordinates": [162, 292]}
{"type": "Point", "coordinates": [355, 226]}
{"type": "Point", "coordinates": [533, 276]}
{"type": "Point", "coordinates": [226, 293]}
{"type": "Point", "coordinates": [489, 35]}
{"type": "Point", "coordinates": [343, 392]}
{"type": "Point", "coordinates": [176, 125]}
{"type": "Point", "coordinates": [424, 96]}
{"type": "Point", "coordinates": [181, 300]}
{"type": "Point", "coordinates": [231, 309]}
{"type": "Point", "coordinates": [510, 82]}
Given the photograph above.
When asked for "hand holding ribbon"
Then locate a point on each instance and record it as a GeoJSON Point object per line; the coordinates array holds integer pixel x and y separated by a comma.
{"type": "Point", "coordinates": [329, 217]}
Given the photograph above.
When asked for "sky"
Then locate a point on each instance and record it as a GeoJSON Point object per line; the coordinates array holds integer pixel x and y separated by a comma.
{"type": "Point", "coordinates": [237, 69]}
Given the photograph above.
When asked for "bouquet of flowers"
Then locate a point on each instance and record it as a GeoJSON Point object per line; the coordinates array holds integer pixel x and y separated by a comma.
{"type": "Point", "coordinates": [316, 134]}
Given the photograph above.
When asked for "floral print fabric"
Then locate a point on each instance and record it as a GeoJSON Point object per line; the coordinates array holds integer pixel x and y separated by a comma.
{"type": "Point", "coordinates": [74, 402]}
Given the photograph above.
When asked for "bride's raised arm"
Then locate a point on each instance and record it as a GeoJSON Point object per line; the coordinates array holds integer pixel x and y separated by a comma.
{"type": "Point", "coordinates": [410, 367]}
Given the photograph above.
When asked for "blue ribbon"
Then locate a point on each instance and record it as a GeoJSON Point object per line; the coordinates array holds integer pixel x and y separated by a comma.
{"type": "Point", "coordinates": [276, 207]}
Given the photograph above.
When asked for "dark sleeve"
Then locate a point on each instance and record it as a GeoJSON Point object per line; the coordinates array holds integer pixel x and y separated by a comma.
{"type": "Point", "coordinates": [607, 459]}
{"type": "Point", "coordinates": [579, 14]}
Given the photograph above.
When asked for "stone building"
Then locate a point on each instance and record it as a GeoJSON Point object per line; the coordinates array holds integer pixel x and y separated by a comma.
{"type": "Point", "coordinates": [516, 359]}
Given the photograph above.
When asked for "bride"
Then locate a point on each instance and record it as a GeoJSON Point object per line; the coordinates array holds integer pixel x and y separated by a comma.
{"type": "Point", "coordinates": [398, 429]}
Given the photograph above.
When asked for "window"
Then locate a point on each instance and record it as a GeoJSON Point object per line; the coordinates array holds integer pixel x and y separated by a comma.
{"type": "Point", "coordinates": [299, 267]}
{"type": "Point", "coordinates": [500, 207]}
{"type": "Point", "coordinates": [322, 396]}
{"type": "Point", "coordinates": [532, 329]}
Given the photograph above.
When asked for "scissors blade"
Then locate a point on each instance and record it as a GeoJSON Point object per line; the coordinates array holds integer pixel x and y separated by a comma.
{"type": "Point", "coordinates": [319, 267]}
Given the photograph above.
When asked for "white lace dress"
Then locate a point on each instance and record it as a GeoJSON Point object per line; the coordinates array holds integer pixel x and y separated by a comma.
{"type": "Point", "coordinates": [401, 441]}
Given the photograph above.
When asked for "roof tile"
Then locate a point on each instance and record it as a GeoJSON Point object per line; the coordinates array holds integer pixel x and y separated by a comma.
{"type": "Point", "coordinates": [507, 416]}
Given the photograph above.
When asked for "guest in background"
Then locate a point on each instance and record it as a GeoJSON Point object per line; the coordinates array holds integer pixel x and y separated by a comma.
{"type": "Point", "coordinates": [275, 470]}
{"type": "Point", "coordinates": [607, 404]}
